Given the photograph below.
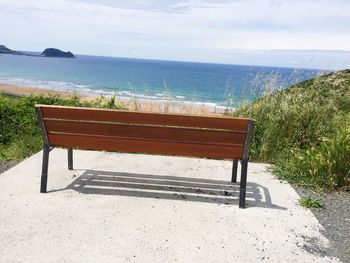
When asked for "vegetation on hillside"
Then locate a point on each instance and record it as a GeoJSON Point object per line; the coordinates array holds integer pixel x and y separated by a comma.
{"type": "Point", "coordinates": [305, 131]}
{"type": "Point", "coordinates": [20, 134]}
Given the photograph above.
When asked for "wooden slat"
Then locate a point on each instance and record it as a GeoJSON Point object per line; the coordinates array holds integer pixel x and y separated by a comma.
{"type": "Point", "coordinates": [88, 142]}
{"type": "Point", "coordinates": [139, 131]}
{"type": "Point", "coordinates": [74, 113]}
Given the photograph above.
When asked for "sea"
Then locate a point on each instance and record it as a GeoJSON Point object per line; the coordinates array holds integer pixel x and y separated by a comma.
{"type": "Point", "coordinates": [144, 79]}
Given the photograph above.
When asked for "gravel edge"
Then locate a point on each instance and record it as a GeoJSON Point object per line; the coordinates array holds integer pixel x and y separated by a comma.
{"type": "Point", "coordinates": [5, 165]}
{"type": "Point", "coordinates": [335, 219]}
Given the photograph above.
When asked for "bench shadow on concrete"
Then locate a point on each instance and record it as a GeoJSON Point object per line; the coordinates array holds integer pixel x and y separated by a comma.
{"type": "Point", "coordinates": [170, 187]}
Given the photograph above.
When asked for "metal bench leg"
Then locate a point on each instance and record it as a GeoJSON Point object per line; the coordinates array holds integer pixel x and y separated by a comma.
{"type": "Point", "coordinates": [46, 152]}
{"type": "Point", "coordinates": [234, 171]}
{"type": "Point", "coordinates": [243, 184]}
{"type": "Point", "coordinates": [70, 159]}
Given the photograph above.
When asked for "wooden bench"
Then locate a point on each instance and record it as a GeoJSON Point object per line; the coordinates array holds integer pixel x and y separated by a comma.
{"type": "Point", "coordinates": [150, 133]}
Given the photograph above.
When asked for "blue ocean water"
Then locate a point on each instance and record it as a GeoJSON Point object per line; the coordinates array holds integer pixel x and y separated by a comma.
{"type": "Point", "coordinates": [149, 79]}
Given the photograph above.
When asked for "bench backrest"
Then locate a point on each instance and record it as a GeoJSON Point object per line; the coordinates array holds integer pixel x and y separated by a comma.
{"type": "Point", "coordinates": [142, 132]}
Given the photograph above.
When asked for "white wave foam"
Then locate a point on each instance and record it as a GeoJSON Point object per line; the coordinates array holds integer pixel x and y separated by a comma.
{"type": "Point", "coordinates": [124, 95]}
{"type": "Point", "coordinates": [49, 85]}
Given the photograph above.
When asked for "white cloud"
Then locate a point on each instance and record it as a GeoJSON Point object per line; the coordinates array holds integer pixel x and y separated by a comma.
{"type": "Point", "coordinates": [181, 30]}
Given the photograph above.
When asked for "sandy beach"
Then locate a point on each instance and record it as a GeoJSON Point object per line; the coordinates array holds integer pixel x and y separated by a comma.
{"type": "Point", "coordinates": [165, 106]}
{"type": "Point", "coordinates": [16, 90]}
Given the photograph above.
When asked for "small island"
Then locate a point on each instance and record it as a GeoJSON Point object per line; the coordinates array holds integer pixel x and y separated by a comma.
{"type": "Point", "coordinates": [54, 52]}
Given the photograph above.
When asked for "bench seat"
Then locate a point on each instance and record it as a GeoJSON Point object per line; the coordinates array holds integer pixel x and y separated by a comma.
{"type": "Point", "coordinates": [144, 132]}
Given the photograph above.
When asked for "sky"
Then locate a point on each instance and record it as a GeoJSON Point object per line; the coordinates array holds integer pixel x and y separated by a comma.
{"type": "Point", "coordinates": [293, 33]}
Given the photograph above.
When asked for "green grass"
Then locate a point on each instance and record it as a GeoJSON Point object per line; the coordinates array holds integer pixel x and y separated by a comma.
{"type": "Point", "coordinates": [309, 202]}
{"type": "Point", "coordinates": [20, 135]}
{"type": "Point", "coordinates": [322, 167]}
{"type": "Point", "coordinates": [304, 131]}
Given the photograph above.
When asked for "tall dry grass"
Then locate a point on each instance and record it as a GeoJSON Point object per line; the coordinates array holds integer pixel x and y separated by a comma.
{"type": "Point", "coordinates": [299, 130]}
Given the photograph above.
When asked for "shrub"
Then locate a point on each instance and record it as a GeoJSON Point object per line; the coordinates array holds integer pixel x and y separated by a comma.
{"type": "Point", "coordinates": [298, 117]}
{"type": "Point", "coordinates": [20, 134]}
{"type": "Point", "coordinates": [326, 166]}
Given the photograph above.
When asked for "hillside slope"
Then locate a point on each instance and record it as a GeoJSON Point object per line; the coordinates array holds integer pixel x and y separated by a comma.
{"type": "Point", "coordinates": [305, 125]}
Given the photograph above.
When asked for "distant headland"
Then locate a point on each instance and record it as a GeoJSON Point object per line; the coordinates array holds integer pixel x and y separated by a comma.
{"type": "Point", "coordinates": [48, 52]}
{"type": "Point", "coordinates": [5, 50]}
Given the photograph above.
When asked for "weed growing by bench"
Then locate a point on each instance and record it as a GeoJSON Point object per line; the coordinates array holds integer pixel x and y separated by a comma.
{"type": "Point", "coordinates": [309, 202]}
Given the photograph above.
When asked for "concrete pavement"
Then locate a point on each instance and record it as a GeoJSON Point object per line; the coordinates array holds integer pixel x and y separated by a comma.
{"type": "Point", "coordinates": [139, 208]}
